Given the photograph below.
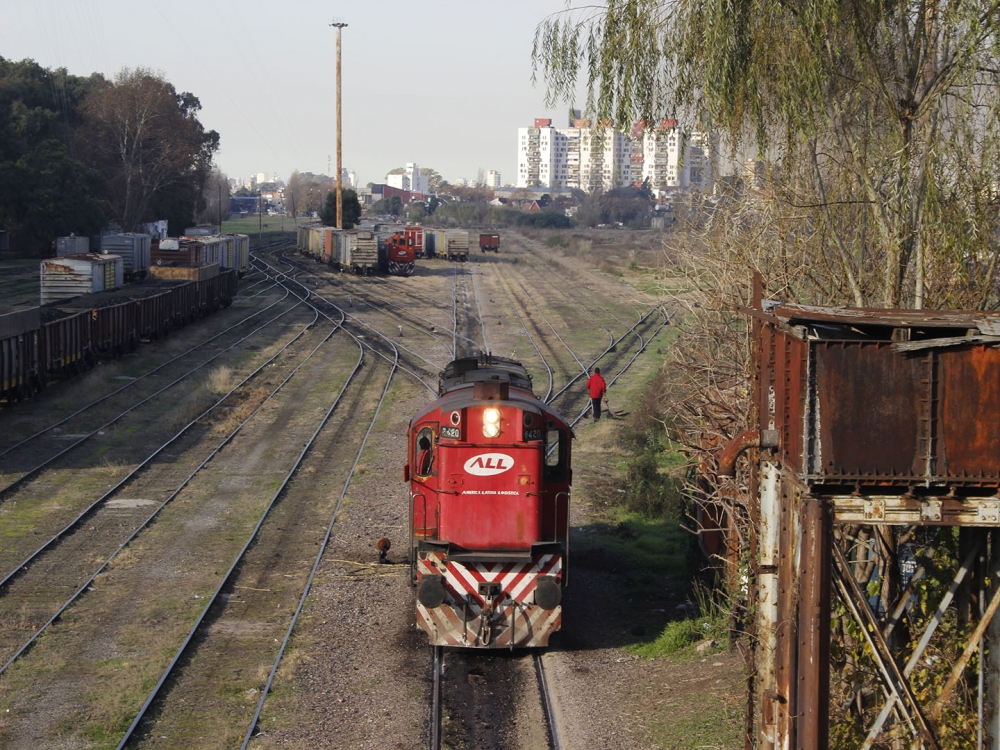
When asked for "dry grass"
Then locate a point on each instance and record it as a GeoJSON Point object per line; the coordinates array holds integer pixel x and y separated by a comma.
{"type": "Point", "coordinates": [220, 380]}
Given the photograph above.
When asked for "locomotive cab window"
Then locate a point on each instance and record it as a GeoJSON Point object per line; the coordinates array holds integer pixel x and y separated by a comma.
{"type": "Point", "coordinates": [423, 451]}
{"type": "Point", "coordinates": [555, 454]}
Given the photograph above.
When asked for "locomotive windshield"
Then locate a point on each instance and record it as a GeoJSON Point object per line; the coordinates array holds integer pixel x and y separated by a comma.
{"type": "Point", "coordinates": [424, 452]}
{"type": "Point", "coordinates": [555, 454]}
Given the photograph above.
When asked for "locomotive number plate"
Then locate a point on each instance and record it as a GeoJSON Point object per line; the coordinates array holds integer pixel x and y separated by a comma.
{"type": "Point", "coordinates": [533, 434]}
{"type": "Point", "coordinates": [451, 432]}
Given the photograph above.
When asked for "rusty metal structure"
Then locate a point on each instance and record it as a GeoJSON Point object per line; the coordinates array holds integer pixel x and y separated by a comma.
{"type": "Point", "coordinates": [867, 418]}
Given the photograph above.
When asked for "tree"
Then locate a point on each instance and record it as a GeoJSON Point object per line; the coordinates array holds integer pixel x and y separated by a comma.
{"type": "Point", "coordinates": [44, 190]}
{"type": "Point", "coordinates": [47, 194]}
{"type": "Point", "coordinates": [879, 120]}
{"type": "Point", "coordinates": [147, 140]}
{"type": "Point", "coordinates": [295, 193]}
{"type": "Point", "coordinates": [215, 199]}
{"type": "Point", "coordinates": [350, 211]}
{"type": "Point", "coordinates": [392, 205]}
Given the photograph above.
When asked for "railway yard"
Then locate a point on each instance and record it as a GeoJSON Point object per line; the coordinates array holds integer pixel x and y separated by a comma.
{"type": "Point", "coordinates": [187, 533]}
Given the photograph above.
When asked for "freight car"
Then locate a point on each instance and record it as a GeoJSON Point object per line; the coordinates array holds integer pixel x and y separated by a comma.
{"type": "Point", "coordinates": [67, 337]}
{"type": "Point", "coordinates": [489, 472]}
{"type": "Point", "coordinates": [489, 241]}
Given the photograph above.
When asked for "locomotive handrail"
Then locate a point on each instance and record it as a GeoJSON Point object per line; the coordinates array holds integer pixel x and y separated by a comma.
{"type": "Point", "coordinates": [413, 498]}
{"type": "Point", "coordinates": [565, 566]}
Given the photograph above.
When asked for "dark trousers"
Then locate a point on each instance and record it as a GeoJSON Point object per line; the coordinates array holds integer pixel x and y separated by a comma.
{"type": "Point", "coordinates": [597, 407]}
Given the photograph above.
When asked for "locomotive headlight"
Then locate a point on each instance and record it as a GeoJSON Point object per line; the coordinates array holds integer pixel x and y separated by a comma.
{"type": "Point", "coordinates": [491, 422]}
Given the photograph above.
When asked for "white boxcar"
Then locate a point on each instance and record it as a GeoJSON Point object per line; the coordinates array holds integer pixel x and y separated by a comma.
{"type": "Point", "coordinates": [458, 244]}
{"type": "Point", "coordinates": [72, 245]}
{"type": "Point", "coordinates": [74, 275]}
{"type": "Point", "coordinates": [134, 249]}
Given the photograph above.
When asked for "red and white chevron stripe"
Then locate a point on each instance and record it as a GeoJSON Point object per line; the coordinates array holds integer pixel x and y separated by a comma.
{"type": "Point", "coordinates": [516, 619]}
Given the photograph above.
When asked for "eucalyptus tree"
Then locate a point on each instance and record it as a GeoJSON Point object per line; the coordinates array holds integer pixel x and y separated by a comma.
{"type": "Point", "coordinates": [878, 120]}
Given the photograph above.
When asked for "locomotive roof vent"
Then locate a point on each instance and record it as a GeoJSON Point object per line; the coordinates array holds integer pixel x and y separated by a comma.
{"type": "Point", "coordinates": [491, 390]}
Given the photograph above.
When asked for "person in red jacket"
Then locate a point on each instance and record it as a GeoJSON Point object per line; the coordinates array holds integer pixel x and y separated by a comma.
{"type": "Point", "coordinates": [597, 388]}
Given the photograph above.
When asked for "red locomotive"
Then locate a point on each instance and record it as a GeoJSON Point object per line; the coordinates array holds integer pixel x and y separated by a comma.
{"type": "Point", "coordinates": [400, 256]}
{"type": "Point", "coordinates": [489, 472]}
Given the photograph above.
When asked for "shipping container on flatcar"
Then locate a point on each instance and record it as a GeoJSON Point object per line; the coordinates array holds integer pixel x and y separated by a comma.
{"type": "Point", "coordinates": [489, 241]}
{"type": "Point", "coordinates": [134, 249]}
{"type": "Point", "coordinates": [215, 246]}
{"type": "Point", "coordinates": [72, 245]}
{"type": "Point", "coordinates": [435, 244]}
{"type": "Point", "coordinates": [79, 274]}
{"type": "Point", "coordinates": [177, 251]}
{"type": "Point", "coordinates": [458, 244]}
{"type": "Point", "coordinates": [242, 242]}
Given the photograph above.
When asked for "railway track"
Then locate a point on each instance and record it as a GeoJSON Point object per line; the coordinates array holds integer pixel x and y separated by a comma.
{"type": "Point", "coordinates": [258, 583]}
{"type": "Point", "coordinates": [141, 608]}
{"type": "Point", "coordinates": [34, 587]}
{"type": "Point", "coordinates": [475, 695]}
{"type": "Point", "coordinates": [25, 458]}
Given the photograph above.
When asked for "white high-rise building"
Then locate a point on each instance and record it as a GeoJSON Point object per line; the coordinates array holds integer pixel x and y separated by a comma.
{"type": "Point", "coordinates": [671, 158]}
{"type": "Point", "coordinates": [348, 179]}
{"type": "Point", "coordinates": [492, 179]}
{"type": "Point", "coordinates": [577, 157]}
{"type": "Point", "coordinates": [410, 179]}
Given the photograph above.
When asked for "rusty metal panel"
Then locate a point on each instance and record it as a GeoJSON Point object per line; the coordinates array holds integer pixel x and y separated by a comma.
{"type": "Point", "coordinates": [968, 406]}
{"type": "Point", "coordinates": [867, 402]}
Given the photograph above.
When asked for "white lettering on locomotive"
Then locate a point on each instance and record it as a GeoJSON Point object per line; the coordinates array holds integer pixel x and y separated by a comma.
{"type": "Point", "coordinates": [489, 464]}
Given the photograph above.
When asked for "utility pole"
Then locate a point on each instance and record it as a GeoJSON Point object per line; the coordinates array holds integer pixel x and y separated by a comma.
{"type": "Point", "coordinates": [338, 25]}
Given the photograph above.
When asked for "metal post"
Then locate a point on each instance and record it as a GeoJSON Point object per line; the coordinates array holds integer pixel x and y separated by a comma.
{"type": "Point", "coordinates": [767, 605]}
{"type": "Point", "coordinates": [340, 194]}
{"type": "Point", "coordinates": [991, 718]}
{"type": "Point", "coordinates": [813, 701]}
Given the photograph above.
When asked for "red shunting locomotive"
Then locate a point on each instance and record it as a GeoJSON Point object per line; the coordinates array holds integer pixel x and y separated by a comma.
{"type": "Point", "coordinates": [489, 473]}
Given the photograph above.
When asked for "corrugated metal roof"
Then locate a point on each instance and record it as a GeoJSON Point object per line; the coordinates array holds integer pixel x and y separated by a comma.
{"type": "Point", "coordinates": [987, 323]}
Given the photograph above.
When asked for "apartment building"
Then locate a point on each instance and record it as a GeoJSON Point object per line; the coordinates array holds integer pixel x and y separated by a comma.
{"type": "Point", "coordinates": [410, 180]}
{"type": "Point", "coordinates": [669, 158]}
{"type": "Point", "coordinates": [576, 157]}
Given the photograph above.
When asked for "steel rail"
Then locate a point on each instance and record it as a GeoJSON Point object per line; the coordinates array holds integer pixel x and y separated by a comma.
{"type": "Point", "coordinates": [540, 274]}
{"type": "Point", "coordinates": [380, 303]}
{"type": "Point", "coordinates": [31, 473]}
{"type": "Point", "coordinates": [541, 357]}
{"type": "Point", "coordinates": [86, 585]}
{"type": "Point", "coordinates": [319, 556]}
{"type": "Point", "coordinates": [479, 312]}
{"type": "Point", "coordinates": [229, 575]}
{"type": "Point", "coordinates": [548, 703]}
{"type": "Point", "coordinates": [395, 346]}
{"type": "Point", "coordinates": [437, 675]}
{"type": "Point", "coordinates": [622, 371]}
{"type": "Point", "coordinates": [465, 307]}
{"type": "Point", "coordinates": [82, 409]}
{"type": "Point", "coordinates": [612, 347]}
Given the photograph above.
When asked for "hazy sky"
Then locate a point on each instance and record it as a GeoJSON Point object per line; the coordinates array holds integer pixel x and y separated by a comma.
{"type": "Point", "coordinates": [443, 83]}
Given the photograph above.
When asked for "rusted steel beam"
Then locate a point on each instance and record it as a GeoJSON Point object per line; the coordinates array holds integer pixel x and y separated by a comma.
{"type": "Point", "coordinates": [876, 728]}
{"type": "Point", "coordinates": [785, 696]}
{"type": "Point", "coordinates": [897, 686]}
{"type": "Point", "coordinates": [991, 709]}
{"type": "Point", "coordinates": [813, 673]}
{"type": "Point", "coordinates": [904, 510]}
{"type": "Point", "coordinates": [963, 660]}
